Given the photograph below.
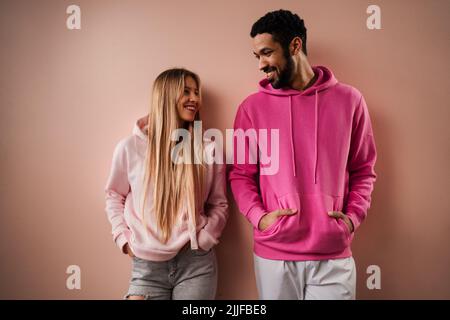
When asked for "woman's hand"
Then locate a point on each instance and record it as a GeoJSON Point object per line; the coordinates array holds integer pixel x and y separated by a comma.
{"type": "Point", "coordinates": [128, 251]}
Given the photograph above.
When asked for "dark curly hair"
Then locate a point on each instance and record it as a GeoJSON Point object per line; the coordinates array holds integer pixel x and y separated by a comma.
{"type": "Point", "coordinates": [283, 25]}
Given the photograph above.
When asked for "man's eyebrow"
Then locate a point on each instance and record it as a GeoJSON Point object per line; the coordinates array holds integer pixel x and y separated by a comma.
{"type": "Point", "coordinates": [263, 50]}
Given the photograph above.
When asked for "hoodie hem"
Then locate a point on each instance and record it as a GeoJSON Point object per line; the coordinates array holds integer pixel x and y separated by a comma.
{"type": "Point", "coordinates": [152, 256]}
{"type": "Point", "coordinates": [273, 254]}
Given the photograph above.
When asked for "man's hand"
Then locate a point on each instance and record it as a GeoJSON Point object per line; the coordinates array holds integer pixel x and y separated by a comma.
{"type": "Point", "coordinates": [268, 219]}
{"type": "Point", "coordinates": [343, 216]}
{"type": "Point", "coordinates": [127, 250]}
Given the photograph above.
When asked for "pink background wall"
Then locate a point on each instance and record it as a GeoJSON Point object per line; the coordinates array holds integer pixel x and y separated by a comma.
{"type": "Point", "coordinates": [67, 97]}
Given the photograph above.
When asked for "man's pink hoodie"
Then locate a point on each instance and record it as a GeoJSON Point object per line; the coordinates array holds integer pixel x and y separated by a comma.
{"type": "Point", "coordinates": [123, 196]}
{"type": "Point", "coordinates": [326, 163]}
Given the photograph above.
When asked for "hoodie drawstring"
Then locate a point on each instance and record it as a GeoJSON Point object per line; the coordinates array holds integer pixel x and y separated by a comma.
{"type": "Point", "coordinates": [191, 225]}
{"type": "Point", "coordinates": [192, 234]}
{"type": "Point", "coordinates": [325, 80]}
{"type": "Point", "coordinates": [292, 138]}
{"type": "Point", "coordinates": [316, 133]}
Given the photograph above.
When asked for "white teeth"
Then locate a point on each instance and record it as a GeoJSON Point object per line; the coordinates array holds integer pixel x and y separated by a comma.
{"type": "Point", "coordinates": [190, 108]}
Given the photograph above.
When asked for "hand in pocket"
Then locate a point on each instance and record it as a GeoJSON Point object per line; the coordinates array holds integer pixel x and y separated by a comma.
{"type": "Point", "coordinates": [270, 218]}
{"type": "Point", "coordinates": [344, 217]}
{"type": "Point", "coordinates": [128, 251]}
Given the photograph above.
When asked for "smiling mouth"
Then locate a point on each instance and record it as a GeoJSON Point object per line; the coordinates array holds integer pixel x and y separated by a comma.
{"type": "Point", "coordinates": [270, 75]}
{"type": "Point", "coordinates": [190, 108]}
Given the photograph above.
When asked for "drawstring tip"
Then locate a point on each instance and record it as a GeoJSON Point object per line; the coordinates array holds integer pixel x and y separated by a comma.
{"type": "Point", "coordinates": [193, 238]}
{"type": "Point", "coordinates": [194, 243]}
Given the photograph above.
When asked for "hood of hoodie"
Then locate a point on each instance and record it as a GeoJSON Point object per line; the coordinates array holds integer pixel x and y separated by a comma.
{"type": "Point", "coordinates": [140, 128]}
{"type": "Point", "coordinates": [325, 79]}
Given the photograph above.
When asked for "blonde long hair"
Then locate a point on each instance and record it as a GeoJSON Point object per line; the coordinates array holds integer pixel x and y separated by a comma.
{"type": "Point", "coordinates": [176, 187]}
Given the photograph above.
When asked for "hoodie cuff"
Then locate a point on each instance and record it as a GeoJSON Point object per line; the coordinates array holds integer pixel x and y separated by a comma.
{"type": "Point", "coordinates": [354, 219]}
{"type": "Point", "coordinates": [205, 240]}
{"type": "Point", "coordinates": [255, 214]}
{"type": "Point", "coordinates": [123, 239]}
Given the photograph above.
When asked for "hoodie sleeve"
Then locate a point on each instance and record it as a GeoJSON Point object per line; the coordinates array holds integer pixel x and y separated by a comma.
{"type": "Point", "coordinates": [117, 189]}
{"type": "Point", "coordinates": [244, 178]}
{"type": "Point", "coordinates": [362, 157]}
{"type": "Point", "coordinates": [216, 210]}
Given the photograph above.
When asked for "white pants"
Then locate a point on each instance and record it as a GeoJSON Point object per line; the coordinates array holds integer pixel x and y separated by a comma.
{"type": "Point", "coordinates": [305, 280]}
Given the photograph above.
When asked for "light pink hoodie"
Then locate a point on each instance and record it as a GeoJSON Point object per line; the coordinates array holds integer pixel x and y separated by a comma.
{"type": "Point", "coordinates": [326, 163]}
{"type": "Point", "coordinates": [123, 194]}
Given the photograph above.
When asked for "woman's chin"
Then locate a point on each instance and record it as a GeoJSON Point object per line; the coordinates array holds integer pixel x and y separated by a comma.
{"type": "Point", "coordinates": [188, 118]}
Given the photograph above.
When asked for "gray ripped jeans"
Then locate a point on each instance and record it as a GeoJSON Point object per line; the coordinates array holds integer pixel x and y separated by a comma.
{"type": "Point", "coordinates": [190, 275]}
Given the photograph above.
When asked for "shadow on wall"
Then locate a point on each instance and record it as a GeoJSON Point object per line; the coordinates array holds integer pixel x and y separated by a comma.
{"type": "Point", "coordinates": [210, 113]}
{"type": "Point", "coordinates": [374, 242]}
{"type": "Point", "coordinates": [235, 258]}
{"type": "Point", "coordinates": [235, 249]}
{"type": "Point", "coordinates": [377, 240]}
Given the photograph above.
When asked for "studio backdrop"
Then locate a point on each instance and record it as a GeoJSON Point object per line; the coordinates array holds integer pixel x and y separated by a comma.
{"type": "Point", "coordinates": [75, 76]}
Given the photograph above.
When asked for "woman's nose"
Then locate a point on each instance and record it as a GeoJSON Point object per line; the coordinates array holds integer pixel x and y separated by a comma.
{"type": "Point", "coordinates": [193, 97]}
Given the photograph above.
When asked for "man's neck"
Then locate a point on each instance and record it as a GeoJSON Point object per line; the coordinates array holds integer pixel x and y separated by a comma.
{"type": "Point", "coordinates": [305, 76]}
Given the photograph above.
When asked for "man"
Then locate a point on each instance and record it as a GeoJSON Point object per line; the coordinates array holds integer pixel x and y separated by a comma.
{"type": "Point", "coordinates": [304, 215]}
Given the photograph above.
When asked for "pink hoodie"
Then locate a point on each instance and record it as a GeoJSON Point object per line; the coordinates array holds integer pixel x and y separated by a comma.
{"type": "Point", "coordinates": [326, 163]}
{"type": "Point", "coordinates": [123, 194]}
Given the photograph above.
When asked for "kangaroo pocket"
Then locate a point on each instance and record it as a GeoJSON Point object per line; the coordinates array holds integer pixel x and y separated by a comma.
{"type": "Point", "coordinates": [286, 228]}
{"type": "Point", "coordinates": [323, 234]}
{"type": "Point", "coordinates": [311, 229]}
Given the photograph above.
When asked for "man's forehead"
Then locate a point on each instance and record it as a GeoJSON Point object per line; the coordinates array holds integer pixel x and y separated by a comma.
{"type": "Point", "coordinates": [263, 40]}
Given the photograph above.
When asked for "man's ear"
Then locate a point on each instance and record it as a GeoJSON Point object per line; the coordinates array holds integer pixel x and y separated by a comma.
{"type": "Point", "coordinates": [296, 45]}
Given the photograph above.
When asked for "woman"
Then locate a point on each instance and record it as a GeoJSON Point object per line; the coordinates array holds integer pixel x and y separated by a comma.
{"type": "Point", "coordinates": [168, 212]}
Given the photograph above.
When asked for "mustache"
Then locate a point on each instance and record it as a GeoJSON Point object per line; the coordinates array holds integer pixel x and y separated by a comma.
{"type": "Point", "coordinates": [268, 69]}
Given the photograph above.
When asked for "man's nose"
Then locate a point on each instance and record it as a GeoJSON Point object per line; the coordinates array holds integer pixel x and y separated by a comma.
{"type": "Point", "coordinates": [262, 64]}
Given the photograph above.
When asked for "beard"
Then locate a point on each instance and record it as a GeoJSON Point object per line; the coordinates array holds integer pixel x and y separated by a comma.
{"type": "Point", "coordinates": [284, 78]}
